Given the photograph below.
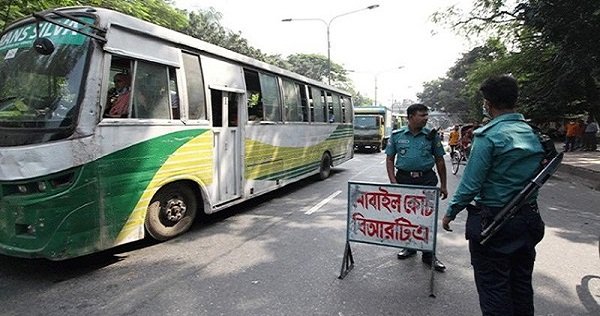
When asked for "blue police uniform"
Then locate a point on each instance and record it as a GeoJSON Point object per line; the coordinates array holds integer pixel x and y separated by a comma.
{"type": "Point", "coordinates": [415, 157]}
{"type": "Point", "coordinates": [505, 156]}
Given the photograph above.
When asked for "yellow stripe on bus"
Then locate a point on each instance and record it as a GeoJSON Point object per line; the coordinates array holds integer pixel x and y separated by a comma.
{"type": "Point", "coordinates": [193, 160]}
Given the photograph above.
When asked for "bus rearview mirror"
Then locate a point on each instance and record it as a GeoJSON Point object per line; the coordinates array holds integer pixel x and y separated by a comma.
{"type": "Point", "coordinates": [43, 45]}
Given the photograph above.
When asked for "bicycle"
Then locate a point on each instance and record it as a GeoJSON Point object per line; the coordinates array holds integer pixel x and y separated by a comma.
{"type": "Point", "coordinates": [457, 157]}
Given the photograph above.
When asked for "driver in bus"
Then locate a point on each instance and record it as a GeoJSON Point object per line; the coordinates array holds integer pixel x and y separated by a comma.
{"type": "Point", "coordinates": [118, 97]}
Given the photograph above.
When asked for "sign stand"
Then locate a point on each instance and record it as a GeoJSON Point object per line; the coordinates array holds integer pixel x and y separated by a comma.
{"type": "Point", "coordinates": [391, 215]}
{"type": "Point", "coordinates": [348, 262]}
{"type": "Point", "coordinates": [432, 279]}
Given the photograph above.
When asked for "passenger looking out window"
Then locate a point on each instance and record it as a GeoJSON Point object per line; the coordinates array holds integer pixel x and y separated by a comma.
{"type": "Point", "coordinates": [118, 97]}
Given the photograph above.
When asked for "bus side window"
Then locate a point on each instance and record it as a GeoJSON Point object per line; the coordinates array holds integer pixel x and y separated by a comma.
{"type": "Point", "coordinates": [330, 113]}
{"type": "Point", "coordinates": [311, 103]}
{"type": "Point", "coordinates": [118, 96]}
{"type": "Point", "coordinates": [337, 108]}
{"type": "Point", "coordinates": [255, 110]}
{"type": "Point", "coordinates": [325, 105]}
{"type": "Point", "coordinates": [174, 94]}
{"type": "Point", "coordinates": [151, 91]}
{"type": "Point", "coordinates": [344, 115]}
{"type": "Point", "coordinates": [195, 87]}
{"type": "Point", "coordinates": [318, 104]}
{"type": "Point", "coordinates": [270, 97]}
{"type": "Point", "coordinates": [291, 102]}
{"type": "Point", "coordinates": [346, 109]}
{"type": "Point", "coordinates": [304, 102]}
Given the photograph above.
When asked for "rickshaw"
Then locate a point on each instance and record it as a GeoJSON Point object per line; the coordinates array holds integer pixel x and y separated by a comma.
{"type": "Point", "coordinates": [461, 154]}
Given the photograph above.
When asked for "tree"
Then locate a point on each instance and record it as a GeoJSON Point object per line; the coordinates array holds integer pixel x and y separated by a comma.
{"type": "Point", "coordinates": [554, 54]}
{"type": "Point", "coordinates": [573, 28]}
{"type": "Point", "coordinates": [457, 93]}
{"type": "Point", "coordinates": [156, 11]}
{"type": "Point", "coordinates": [361, 100]}
{"type": "Point", "coordinates": [445, 94]}
{"type": "Point", "coordinates": [315, 66]}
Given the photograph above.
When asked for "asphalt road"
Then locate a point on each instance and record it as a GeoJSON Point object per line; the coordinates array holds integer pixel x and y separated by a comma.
{"type": "Point", "coordinates": [281, 255]}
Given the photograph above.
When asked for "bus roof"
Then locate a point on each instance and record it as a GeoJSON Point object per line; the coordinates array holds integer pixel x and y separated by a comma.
{"type": "Point", "coordinates": [370, 109]}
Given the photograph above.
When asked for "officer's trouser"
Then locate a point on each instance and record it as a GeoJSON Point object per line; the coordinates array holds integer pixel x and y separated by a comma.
{"type": "Point", "coordinates": [429, 178]}
{"type": "Point", "coordinates": [504, 266]}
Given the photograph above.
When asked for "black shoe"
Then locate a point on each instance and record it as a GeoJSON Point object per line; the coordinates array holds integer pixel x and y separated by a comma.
{"type": "Point", "coordinates": [437, 265]}
{"type": "Point", "coordinates": [406, 253]}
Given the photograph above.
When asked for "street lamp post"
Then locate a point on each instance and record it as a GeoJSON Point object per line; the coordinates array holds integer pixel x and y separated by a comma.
{"type": "Point", "coordinates": [377, 74]}
{"type": "Point", "coordinates": [328, 25]}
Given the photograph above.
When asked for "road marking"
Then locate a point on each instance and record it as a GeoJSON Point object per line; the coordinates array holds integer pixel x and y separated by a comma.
{"type": "Point", "coordinates": [325, 201]}
{"type": "Point", "coordinates": [362, 171]}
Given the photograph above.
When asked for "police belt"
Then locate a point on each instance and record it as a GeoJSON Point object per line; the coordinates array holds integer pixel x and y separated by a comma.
{"type": "Point", "coordinates": [413, 174]}
{"type": "Point", "coordinates": [492, 211]}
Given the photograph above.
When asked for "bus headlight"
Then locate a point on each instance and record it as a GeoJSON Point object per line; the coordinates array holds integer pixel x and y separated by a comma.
{"type": "Point", "coordinates": [42, 186]}
{"type": "Point", "coordinates": [50, 184]}
{"type": "Point", "coordinates": [30, 229]}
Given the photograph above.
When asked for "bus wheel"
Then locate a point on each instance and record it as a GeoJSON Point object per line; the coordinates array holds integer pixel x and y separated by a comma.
{"type": "Point", "coordinates": [171, 212]}
{"type": "Point", "coordinates": [325, 169]}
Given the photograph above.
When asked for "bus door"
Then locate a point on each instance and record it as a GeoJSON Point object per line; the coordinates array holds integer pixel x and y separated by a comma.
{"type": "Point", "coordinates": [227, 144]}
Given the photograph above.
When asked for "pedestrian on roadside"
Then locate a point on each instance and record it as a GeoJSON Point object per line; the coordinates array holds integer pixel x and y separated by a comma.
{"type": "Point", "coordinates": [506, 154]}
{"type": "Point", "coordinates": [415, 150]}
{"type": "Point", "coordinates": [571, 135]}
{"type": "Point", "coordinates": [589, 135]}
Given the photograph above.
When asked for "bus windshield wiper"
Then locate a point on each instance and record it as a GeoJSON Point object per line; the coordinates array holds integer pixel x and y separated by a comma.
{"type": "Point", "coordinates": [98, 35]}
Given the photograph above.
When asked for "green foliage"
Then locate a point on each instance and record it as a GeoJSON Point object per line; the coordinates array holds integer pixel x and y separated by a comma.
{"type": "Point", "coordinates": [156, 11]}
{"type": "Point", "coordinates": [458, 92]}
{"type": "Point", "coordinates": [573, 30]}
{"type": "Point", "coordinates": [206, 25]}
{"type": "Point", "coordinates": [444, 94]}
{"type": "Point", "coordinates": [315, 66]}
{"type": "Point", "coordinates": [553, 54]}
{"type": "Point", "coordinates": [361, 100]}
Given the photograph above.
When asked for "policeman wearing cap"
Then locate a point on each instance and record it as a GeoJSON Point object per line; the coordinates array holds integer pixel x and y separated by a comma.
{"type": "Point", "coordinates": [411, 153]}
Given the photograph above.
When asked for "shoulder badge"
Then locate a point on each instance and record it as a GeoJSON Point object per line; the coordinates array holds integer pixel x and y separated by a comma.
{"type": "Point", "coordinates": [481, 130]}
{"type": "Point", "coordinates": [401, 129]}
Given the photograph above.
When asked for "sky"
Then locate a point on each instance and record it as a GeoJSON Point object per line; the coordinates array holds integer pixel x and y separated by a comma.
{"type": "Point", "coordinates": [372, 43]}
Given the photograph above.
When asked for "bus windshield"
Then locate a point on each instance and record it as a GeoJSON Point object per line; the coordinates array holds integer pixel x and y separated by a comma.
{"type": "Point", "coordinates": [39, 93]}
{"type": "Point", "coordinates": [366, 122]}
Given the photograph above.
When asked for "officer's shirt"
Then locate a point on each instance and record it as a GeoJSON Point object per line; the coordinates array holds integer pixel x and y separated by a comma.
{"type": "Point", "coordinates": [414, 152]}
{"type": "Point", "coordinates": [505, 155]}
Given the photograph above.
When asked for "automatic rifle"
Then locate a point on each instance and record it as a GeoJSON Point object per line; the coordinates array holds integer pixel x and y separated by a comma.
{"type": "Point", "coordinates": [515, 204]}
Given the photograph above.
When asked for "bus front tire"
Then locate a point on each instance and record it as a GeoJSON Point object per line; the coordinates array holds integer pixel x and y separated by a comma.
{"type": "Point", "coordinates": [171, 212]}
{"type": "Point", "coordinates": [325, 167]}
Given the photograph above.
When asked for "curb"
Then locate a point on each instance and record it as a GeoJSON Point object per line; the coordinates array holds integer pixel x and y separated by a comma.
{"type": "Point", "coordinates": [587, 177]}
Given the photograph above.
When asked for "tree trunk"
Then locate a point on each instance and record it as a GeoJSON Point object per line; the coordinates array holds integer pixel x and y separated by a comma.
{"type": "Point", "coordinates": [593, 96]}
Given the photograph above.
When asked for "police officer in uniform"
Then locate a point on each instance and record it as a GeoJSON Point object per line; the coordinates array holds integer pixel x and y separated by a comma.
{"type": "Point", "coordinates": [505, 155]}
{"type": "Point", "coordinates": [416, 149]}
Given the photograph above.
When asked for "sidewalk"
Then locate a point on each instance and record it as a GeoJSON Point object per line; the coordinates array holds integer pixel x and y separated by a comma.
{"type": "Point", "coordinates": [580, 166]}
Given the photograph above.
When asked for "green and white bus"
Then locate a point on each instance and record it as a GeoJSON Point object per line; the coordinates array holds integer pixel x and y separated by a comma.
{"type": "Point", "coordinates": [204, 128]}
